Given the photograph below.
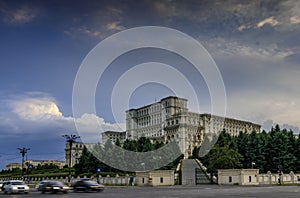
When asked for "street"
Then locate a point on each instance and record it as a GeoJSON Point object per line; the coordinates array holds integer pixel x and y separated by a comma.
{"type": "Point", "coordinates": [179, 191]}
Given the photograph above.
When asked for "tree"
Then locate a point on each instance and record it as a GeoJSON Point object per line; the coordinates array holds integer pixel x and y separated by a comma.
{"type": "Point", "coordinates": [224, 158]}
{"type": "Point", "coordinates": [88, 163]}
{"type": "Point", "coordinates": [252, 150]}
{"type": "Point", "coordinates": [225, 139]}
{"type": "Point", "coordinates": [242, 143]}
{"type": "Point", "coordinates": [297, 153]}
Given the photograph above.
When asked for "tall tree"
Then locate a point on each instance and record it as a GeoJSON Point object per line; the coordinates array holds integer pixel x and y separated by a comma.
{"type": "Point", "coordinates": [224, 158]}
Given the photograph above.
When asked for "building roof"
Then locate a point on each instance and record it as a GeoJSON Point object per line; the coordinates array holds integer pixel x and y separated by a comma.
{"type": "Point", "coordinates": [169, 97]}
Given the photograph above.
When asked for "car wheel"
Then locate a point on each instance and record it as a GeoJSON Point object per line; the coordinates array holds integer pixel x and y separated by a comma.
{"type": "Point", "coordinates": [43, 192]}
{"type": "Point", "coordinates": [87, 190]}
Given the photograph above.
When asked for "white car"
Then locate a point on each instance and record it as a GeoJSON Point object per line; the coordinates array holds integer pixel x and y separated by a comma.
{"type": "Point", "coordinates": [16, 186]}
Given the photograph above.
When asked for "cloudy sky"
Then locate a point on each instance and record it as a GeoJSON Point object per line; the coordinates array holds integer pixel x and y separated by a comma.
{"type": "Point", "coordinates": [254, 43]}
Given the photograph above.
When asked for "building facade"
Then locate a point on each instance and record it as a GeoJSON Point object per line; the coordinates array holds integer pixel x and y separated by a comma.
{"type": "Point", "coordinates": [11, 166]}
{"type": "Point", "coordinates": [76, 152]}
{"type": "Point", "coordinates": [35, 163]}
{"type": "Point", "coordinates": [155, 178]}
{"type": "Point", "coordinates": [238, 176]}
{"type": "Point", "coordinates": [113, 136]}
{"type": "Point", "coordinates": [170, 120]}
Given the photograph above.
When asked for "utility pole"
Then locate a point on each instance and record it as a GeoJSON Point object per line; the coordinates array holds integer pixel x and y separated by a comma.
{"type": "Point", "coordinates": [23, 151]}
{"type": "Point", "coordinates": [70, 139]}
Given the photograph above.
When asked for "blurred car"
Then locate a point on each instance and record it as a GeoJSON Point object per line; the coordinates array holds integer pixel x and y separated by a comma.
{"type": "Point", "coordinates": [87, 185]}
{"type": "Point", "coordinates": [15, 186]}
{"type": "Point", "coordinates": [53, 186]}
{"type": "Point", "coordinates": [40, 185]}
{"type": "Point", "coordinates": [2, 183]}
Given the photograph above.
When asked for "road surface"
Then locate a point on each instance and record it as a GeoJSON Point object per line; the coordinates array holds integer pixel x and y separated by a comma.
{"type": "Point", "coordinates": [202, 191]}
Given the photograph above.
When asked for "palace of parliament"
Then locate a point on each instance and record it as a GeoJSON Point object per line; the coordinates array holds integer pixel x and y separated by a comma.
{"type": "Point", "coordinates": [170, 120]}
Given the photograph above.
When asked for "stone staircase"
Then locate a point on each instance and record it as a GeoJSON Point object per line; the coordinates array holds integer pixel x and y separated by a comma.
{"type": "Point", "coordinates": [188, 172]}
{"type": "Point", "coordinates": [192, 173]}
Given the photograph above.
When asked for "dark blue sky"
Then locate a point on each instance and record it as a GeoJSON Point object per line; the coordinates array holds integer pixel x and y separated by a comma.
{"type": "Point", "coordinates": [255, 45]}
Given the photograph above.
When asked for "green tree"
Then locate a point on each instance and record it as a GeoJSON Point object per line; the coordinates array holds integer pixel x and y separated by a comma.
{"type": "Point", "coordinates": [224, 158]}
{"type": "Point", "coordinates": [297, 153]}
{"type": "Point", "coordinates": [88, 163]}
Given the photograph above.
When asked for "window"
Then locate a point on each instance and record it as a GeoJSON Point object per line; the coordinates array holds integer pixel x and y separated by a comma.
{"type": "Point", "coordinates": [249, 178]}
{"type": "Point", "coordinates": [161, 180]}
{"type": "Point", "coordinates": [230, 179]}
{"type": "Point", "coordinates": [143, 180]}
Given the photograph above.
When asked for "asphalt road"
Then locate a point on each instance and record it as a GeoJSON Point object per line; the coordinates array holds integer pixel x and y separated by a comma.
{"type": "Point", "coordinates": [179, 191]}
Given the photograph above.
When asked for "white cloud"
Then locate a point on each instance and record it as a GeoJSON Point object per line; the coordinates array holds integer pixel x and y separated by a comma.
{"type": "Point", "coordinates": [98, 24]}
{"type": "Point", "coordinates": [244, 27]}
{"type": "Point", "coordinates": [35, 108]}
{"type": "Point", "coordinates": [271, 21]}
{"type": "Point", "coordinates": [285, 20]}
{"type": "Point", "coordinates": [38, 113]}
{"type": "Point", "coordinates": [115, 26]}
{"type": "Point", "coordinates": [290, 8]}
{"type": "Point", "coordinates": [224, 47]}
{"type": "Point", "coordinates": [168, 8]}
{"type": "Point", "coordinates": [295, 20]}
{"type": "Point", "coordinates": [114, 10]}
{"type": "Point", "coordinates": [261, 106]}
{"type": "Point", "coordinates": [24, 14]}
{"type": "Point", "coordinates": [83, 30]}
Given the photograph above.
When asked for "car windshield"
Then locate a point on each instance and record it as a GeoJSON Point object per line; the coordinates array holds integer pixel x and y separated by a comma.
{"type": "Point", "coordinates": [91, 182]}
{"type": "Point", "coordinates": [17, 183]}
{"type": "Point", "coordinates": [55, 183]}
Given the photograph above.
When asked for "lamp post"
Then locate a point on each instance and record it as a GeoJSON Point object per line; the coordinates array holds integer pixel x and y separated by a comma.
{"type": "Point", "coordinates": [70, 139]}
{"type": "Point", "coordinates": [23, 151]}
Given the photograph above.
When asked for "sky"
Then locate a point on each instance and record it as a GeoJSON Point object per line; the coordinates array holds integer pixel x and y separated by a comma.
{"type": "Point", "coordinates": [255, 45]}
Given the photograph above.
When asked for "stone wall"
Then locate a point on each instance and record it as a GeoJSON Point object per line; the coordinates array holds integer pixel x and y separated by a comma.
{"type": "Point", "coordinates": [272, 178]}
{"type": "Point", "coordinates": [251, 177]}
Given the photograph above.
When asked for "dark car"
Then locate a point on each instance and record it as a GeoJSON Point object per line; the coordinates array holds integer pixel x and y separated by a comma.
{"type": "Point", "coordinates": [40, 185]}
{"type": "Point", "coordinates": [53, 187]}
{"type": "Point", "coordinates": [87, 185]}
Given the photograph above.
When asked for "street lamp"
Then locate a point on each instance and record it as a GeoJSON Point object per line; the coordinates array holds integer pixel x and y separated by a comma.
{"type": "Point", "coordinates": [23, 151]}
{"type": "Point", "coordinates": [70, 139]}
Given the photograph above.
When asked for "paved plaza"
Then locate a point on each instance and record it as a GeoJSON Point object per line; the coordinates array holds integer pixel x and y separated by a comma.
{"type": "Point", "coordinates": [180, 191]}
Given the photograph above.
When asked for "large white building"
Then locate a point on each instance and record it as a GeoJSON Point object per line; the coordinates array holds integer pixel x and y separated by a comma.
{"type": "Point", "coordinates": [169, 119]}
